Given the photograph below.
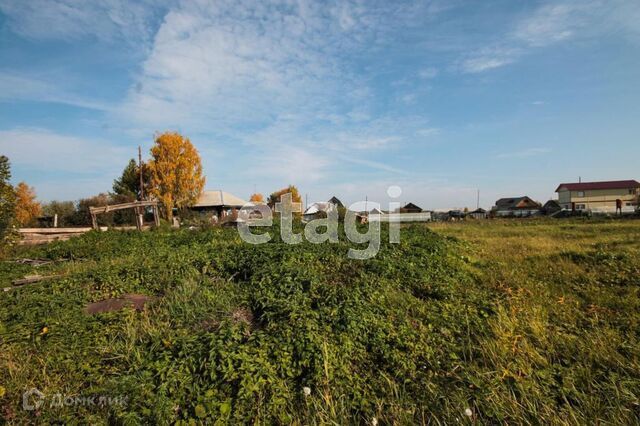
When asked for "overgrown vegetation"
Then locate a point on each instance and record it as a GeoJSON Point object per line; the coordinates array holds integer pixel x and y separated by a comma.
{"type": "Point", "coordinates": [501, 321]}
{"type": "Point", "coordinates": [7, 205]}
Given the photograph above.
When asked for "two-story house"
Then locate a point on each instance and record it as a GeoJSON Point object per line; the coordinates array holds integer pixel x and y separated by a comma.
{"type": "Point", "coordinates": [607, 196]}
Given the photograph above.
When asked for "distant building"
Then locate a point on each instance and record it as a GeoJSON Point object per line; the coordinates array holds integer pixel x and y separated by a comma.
{"type": "Point", "coordinates": [335, 201]}
{"type": "Point", "coordinates": [607, 196]}
{"type": "Point", "coordinates": [551, 207]}
{"type": "Point", "coordinates": [318, 210]}
{"type": "Point", "coordinates": [219, 203]}
{"type": "Point", "coordinates": [456, 214]}
{"type": "Point", "coordinates": [410, 208]}
{"type": "Point", "coordinates": [516, 206]}
{"type": "Point", "coordinates": [377, 215]}
{"type": "Point", "coordinates": [478, 213]}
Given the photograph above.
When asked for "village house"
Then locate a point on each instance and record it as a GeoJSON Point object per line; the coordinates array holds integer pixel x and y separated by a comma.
{"type": "Point", "coordinates": [478, 213]}
{"type": "Point", "coordinates": [607, 196]}
{"type": "Point", "coordinates": [336, 202]}
{"type": "Point", "coordinates": [319, 210]}
{"type": "Point", "coordinates": [516, 206]}
{"type": "Point", "coordinates": [218, 203]}
{"type": "Point", "coordinates": [410, 208]}
{"type": "Point", "coordinates": [551, 207]}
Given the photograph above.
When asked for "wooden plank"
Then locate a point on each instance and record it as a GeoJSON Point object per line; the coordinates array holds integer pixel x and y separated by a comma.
{"type": "Point", "coordinates": [156, 216]}
{"type": "Point", "coordinates": [45, 240]}
{"type": "Point", "coordinates": [26, 231]}
{"type": "Point", "coordinates": [113, 207]}
{"type": "Point", "coordinates": [30, 279]}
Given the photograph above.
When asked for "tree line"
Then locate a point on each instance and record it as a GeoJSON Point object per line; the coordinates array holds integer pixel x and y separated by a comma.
{"type": "Point", "coordinates": [172, 175]}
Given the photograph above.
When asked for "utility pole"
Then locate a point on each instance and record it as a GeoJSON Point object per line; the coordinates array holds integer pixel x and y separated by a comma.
{"type": "Point", "coordinates": [478, 200]}
{"type": "Point", "coordinates": [140, 171]}
{"type": "Point", "coordinates": [306, 201]}
{"type": "Point", "coordinates": [366, 200]}
{"type": "Point", "coordinates": [140, 211]}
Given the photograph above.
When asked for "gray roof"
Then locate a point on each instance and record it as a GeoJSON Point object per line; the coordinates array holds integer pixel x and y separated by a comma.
{"type": "Point", "coordinates": [219, 198]}
{"type": "Point", "coordinates": [320, 207]}
{"type": "Point", "coordinates": [336, 201]}
{"type": "Point", "coordinates": [512, 203]}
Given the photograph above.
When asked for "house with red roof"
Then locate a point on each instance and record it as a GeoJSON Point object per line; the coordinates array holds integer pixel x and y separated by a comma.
{"type": "Point", "coordinates": [606, 196]}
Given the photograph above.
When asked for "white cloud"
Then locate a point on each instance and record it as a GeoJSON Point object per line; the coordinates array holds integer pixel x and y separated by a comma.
{"type": "Point", "coordinates": [489, 58]}
{"type": "Point", "coordinates": [429, 131]}
{"type": "Point", "coordinates": [240, 62]}
{"type": "Point", "coordinates": [292, 165]}
{"type": "Point", "coordinates": [270, 76]}
{"type": "Point", "coordinates": [551, 23]}
{"type": "Point", "coordinates": [554, 22]}
{"type": "Point", "coordinates": [366, 143]}
{"type": "Point", "coordinates": [107, 20]}
{"type": "Point", "coordinates": [16, 87]}
{"type": "Point", "coordinates": [47, 151]}
{"type": "Point", "coordinates": [268, 86]}
{"type": "Point", "coordinates": [376, 165]}
{"type": "Point", "coordinates": [231, 65]}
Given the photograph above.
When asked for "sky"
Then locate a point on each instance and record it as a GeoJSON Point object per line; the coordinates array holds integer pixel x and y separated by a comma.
{"type": "Point", "coordinates": [346, 98]}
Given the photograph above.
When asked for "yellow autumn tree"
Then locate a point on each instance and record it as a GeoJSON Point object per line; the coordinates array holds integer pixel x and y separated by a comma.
{"type": "Point", "coordinates": [27, 208]}
{"type": "Point", "coordinates": [175, 172]}
{"type": "Point", "coordinates": [295, 196]}
{"type": "Point", "coordinates": [257, 198]}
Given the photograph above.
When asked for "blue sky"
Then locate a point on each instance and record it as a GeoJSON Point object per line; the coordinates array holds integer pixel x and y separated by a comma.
{"type": "Point", "coordinates": [339, 98]}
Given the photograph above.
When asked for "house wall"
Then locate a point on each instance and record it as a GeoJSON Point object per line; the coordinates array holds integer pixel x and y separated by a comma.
{"type": "Point", "coordinates": [599, 199]}
{"type": "Point", "coordinates": [401, 217]}
{"type": "Point", "coordinates": [517, 213]}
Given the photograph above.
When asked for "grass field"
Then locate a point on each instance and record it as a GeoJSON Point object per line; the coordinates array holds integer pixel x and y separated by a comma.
{"type": "Point", "coordinates": [522, 321]}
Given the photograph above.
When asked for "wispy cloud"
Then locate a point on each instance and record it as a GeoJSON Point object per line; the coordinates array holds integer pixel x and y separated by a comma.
{"type": "Point", "coordinates": [106, 20]}
{"type": "Point", "coordinates": [549, 24]}
{"type": "Point", "coordinates": [229, 63]}
{"type": "Point", "coordinates": [530, 152]}
{"type": "Point", "coordinates": [47, 151]}
{"type": "Point", "coordinates": [290, 164]}
{"type": "Point", "coordinates": [552, 23]}
{"type": "Point", "coordinates": [428, 131]}
{"type": "Point", "coordinates": [24, 88]}
{"type": "Point", "coordinates": [376, 165]}
{"type": "Point", "coordinates": [489, 58]}
{"type": "Point", "coordinates": [235, 64]}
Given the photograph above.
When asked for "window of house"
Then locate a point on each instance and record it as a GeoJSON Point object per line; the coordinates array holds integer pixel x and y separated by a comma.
{"type": "Point", "coordinates": [580, 193]}
{"type": "Point", "coordinates": [580, 206]}
{"type": "Point", "coordinates": [632, 191]}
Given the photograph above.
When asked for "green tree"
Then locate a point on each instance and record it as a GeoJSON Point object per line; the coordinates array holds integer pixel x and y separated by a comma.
{"type": "Point", "coordinates": [64, 209]}
{"type": "Point", "coordinates": [7, 201]}
{"type": "Point", "coordinates": [128, 184]}
{"type": "Point", "coordinates": [82, 216]}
